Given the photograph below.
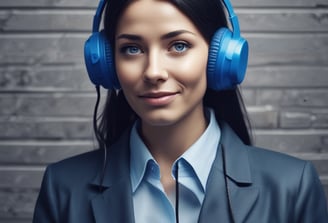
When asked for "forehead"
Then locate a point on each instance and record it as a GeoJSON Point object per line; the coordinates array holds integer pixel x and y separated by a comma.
{"type": "Point", "coordinates": [141, 15]}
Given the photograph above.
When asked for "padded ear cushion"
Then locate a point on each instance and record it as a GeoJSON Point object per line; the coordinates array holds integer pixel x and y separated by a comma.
{"type": "Point", "coordinates": [227, 60]}
{"type": "Point", "coordinates": [99, 61]}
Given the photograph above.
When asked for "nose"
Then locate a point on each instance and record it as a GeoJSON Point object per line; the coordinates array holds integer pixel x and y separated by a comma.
{"type": "Point", "coordinates": [154, 69]}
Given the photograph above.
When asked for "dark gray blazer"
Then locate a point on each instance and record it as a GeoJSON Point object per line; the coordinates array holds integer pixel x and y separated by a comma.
{"type": "Point", "coordinates": [264, 187]}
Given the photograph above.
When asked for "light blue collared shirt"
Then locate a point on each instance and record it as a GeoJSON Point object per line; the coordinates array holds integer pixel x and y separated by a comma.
{"type": "Point", "coordinates": [151, 203]}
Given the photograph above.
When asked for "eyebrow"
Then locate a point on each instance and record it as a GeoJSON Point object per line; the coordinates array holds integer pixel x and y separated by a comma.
{"type": "Point", "coordinates": [165, 36]}
{"type": "Point", "coordinates": [129, 37]}
{"type": "Point", "coordinates": [175, 33]}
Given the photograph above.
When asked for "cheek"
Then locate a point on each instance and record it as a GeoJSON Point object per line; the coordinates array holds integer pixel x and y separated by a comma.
{"type": "Point", "coordinates": [192, 70]}
{"type": "Point", "coordinates": [127, 73]}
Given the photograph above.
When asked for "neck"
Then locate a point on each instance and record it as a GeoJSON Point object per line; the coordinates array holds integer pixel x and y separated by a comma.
{"type": "Point", "coordinates": [167, 143]}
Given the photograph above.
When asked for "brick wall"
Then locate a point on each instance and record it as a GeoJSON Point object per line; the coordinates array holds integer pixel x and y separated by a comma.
{"type": "Point", "coordinates": [46, 100]}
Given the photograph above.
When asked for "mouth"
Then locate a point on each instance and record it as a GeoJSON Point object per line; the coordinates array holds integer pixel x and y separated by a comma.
{"type": "Point", "coordinates": [158, 98]}
{"type": "Point", "coordinates": [157, 94]}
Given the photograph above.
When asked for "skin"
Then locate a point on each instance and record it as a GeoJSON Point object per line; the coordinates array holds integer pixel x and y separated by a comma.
{"type": "Point", "coordinates": [161, 60]}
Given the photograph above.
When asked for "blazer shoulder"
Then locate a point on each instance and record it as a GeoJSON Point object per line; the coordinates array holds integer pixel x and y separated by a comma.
{"type": "Point", "coordinates": [264, 155]}
{"type": "Point", "coordinates": [80, 168]}
{"type": "Point", "coordinates": [258, 163]}
{"type": "Point", "coordinates": [289, 180]}
{"type": "Point", "coordinates": [85, 168]}
{"type": "Point", "coordinates": [80, 161]}
{"type": "Point", "coordinates": [278, 167]}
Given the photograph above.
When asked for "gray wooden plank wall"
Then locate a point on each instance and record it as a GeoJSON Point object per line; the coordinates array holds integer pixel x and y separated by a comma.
{"type": "Point", "coordinates": [46, 99]}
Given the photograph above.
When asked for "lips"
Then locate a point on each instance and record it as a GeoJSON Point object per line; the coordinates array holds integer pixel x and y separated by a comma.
{"type": "Point", "coordinates": [158, 98]}
{"type": "Point", "coordinates": [157, 94]}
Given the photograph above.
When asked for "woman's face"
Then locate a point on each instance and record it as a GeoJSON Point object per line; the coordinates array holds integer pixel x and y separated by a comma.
{"type": "Point", "coordinates": [161, 61]}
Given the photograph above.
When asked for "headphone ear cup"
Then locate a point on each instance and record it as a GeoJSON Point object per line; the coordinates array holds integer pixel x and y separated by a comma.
{"type": "Point", "coordinates": [227, 60]}
{"type": "Point", "coordinates": [99, 61]}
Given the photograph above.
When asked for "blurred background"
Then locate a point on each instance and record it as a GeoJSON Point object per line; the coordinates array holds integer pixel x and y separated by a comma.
{"type": "Point", "coordinates": [46, 99]}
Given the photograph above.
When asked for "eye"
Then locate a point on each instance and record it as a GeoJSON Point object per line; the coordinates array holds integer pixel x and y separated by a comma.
{"type": "Point", "coordinates": [131, 50]}
{"type": "Point", "coordinates": [180, 47]}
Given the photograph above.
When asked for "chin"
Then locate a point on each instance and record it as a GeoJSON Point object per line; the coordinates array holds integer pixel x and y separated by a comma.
{"type": "Point", "coordinates": [159, 119]}
{"type": "Point", "coordinates": [158, 122]}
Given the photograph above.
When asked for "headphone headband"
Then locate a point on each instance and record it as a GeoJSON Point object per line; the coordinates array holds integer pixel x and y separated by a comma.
{"type": "Point", "coordinates": [232, 18]}
{"type": "Point", "coordinates": [97, 16]}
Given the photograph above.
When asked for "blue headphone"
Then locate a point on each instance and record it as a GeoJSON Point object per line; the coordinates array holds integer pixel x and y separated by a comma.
{"type": "Point", "coordinates": [227, 60]}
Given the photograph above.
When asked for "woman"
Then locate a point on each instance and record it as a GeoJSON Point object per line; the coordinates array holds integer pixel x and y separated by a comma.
{"type": "Point", "coordinates": [174, 135]}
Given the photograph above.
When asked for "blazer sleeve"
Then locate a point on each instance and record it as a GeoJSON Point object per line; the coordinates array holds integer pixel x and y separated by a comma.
{"type": "Point", "coordinates": [46, 208]}
{"type": "Point", "coordinates": [311, 206]}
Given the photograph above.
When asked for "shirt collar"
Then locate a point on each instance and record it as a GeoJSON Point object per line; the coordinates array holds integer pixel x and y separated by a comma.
{"type": "Point", "coordinates": [202, 153]}
{"type": "Point", "coordinates": [199, 156]}
{"type": "Point", "coordinates": [139, 158]}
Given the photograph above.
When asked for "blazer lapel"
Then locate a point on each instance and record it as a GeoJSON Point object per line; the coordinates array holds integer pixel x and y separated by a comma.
{"type": "Point", "coordinates": [242, 195]}
{"type": "Point", "coordinates": [114, 205]}
{"type": "Point", "coordinates": [215, 208]}
{"type": "Point", "coordinates": [114, 201]}
{"type": "Point", "coordinates": [242, 200]}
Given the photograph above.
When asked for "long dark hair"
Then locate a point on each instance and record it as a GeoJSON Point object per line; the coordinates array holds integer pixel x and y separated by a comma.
{"type": "Point", "coordinates": [208, 16]}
